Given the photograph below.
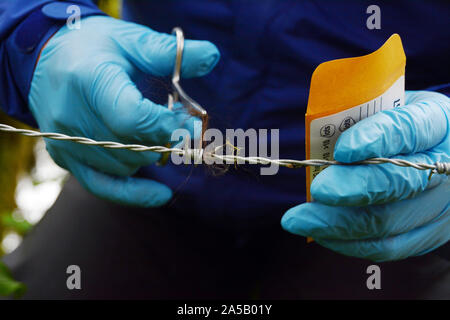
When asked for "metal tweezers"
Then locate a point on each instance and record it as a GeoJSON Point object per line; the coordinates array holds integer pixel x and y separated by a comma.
{"type": "Point", "coordinates": [178, 94]}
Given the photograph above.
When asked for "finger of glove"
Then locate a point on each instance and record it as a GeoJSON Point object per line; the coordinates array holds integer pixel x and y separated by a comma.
{"type": "Point", "coordinates": [317, 220]}
{"type": "Point", "coordinates": [417, 126]}
{"type": "Point", "coordinates": [154, 53]}
{"type": "Point", "coordinates": [360, 185]}
{"type": "Point", "coordinates": [114, 161]}
{"type": "Point", "coordinates": [94, 157]}
{"type": "Point", "coordinates": [416, 242]}
{"type": "Point", "coordinates": [192, 124]}
{"type": "Point", "coordinates": [178, 139]}
{"type": "Point", "coordinates": [126, 113]}
{"type": "Point", "coordinates": [123, 190]}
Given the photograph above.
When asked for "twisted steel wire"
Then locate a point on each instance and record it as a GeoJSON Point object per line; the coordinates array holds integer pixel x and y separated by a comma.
{"type": "Point", "coordinates": [199, 154]}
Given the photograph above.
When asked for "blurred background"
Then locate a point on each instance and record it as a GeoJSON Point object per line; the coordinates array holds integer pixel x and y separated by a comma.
{"type": "Point", "coordinates": [30, 182]}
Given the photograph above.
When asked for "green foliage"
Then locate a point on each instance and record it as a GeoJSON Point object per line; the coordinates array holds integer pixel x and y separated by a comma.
{"type": "Point", "coordinates": [111, 7]}
{"type": "Point", "coordinates": [9, 286]}
{"type": "Point", "coordinates": [8, 221]}
{"type": "Point", "coordinates": [16, 157]}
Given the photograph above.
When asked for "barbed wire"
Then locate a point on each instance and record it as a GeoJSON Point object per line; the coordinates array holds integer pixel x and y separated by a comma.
{"type": "Point", "coordinates": [198, 155]}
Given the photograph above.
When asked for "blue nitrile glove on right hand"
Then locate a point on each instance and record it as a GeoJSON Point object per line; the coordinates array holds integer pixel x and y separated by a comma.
{"type": "Point", "coordinates": [83, 86]}
{"type": "Point", "coordinates": [384, 212]}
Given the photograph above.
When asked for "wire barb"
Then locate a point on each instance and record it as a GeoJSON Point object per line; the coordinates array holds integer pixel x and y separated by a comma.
{"type": "Point", "coordinates": [198, 154]}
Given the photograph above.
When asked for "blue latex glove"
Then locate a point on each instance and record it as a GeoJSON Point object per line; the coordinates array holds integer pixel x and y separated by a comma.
{"type": "Point", "coordinates": [83, 86]}
{"type": "Point", "coordinates": [384, 212]}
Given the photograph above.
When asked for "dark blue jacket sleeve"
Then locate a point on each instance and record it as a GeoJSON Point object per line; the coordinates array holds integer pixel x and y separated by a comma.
{"type": "Point", "coordinates": [443, 88]}
{"type": "Point", "coordinates": [25, 26]}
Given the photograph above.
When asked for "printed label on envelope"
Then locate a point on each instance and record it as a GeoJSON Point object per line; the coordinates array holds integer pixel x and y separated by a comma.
{"type": "Point", "coordinates": [346, 91]}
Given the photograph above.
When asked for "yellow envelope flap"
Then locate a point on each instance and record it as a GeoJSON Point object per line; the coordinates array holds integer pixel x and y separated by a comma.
{"type": "Point", "coordinates": [344, 83]}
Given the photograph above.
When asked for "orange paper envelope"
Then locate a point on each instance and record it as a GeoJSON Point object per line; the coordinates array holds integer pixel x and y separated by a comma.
{"type": "Point", "coordinates": [346, 91]}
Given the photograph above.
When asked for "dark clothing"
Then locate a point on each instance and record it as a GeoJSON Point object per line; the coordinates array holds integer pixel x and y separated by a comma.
{"type": "Point", "coordinates": [222, 236]}
{"type": "Point", "coordinates": [269, 50]}
{"type": "Point", "coordinates": [134, 253]}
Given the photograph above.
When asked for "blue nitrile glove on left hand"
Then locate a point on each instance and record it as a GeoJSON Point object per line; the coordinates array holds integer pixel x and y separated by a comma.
{"type": "Point", "coordinates": [384, 212]}
{"type": "Point", "coordinates": [83, 86]}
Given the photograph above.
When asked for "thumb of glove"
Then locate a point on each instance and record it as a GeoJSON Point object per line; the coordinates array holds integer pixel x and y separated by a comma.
{"type": "Point", "coordinates": [154, 53]}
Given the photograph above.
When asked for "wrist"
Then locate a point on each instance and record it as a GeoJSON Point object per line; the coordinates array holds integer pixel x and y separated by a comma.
{"type": "Point", "coordinates": [24, 47]}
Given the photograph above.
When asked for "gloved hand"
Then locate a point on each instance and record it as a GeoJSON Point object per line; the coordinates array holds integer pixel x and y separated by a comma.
{"type": "Point", "coordinates": [383, 212]}
{"type": "Point", "coordinates": [83, 86]}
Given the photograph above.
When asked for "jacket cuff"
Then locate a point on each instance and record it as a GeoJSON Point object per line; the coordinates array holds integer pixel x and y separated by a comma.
{"type": "Point", "coordinates": [443, 88]}
{"type": "Point", "coordinates": [23, 48]}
